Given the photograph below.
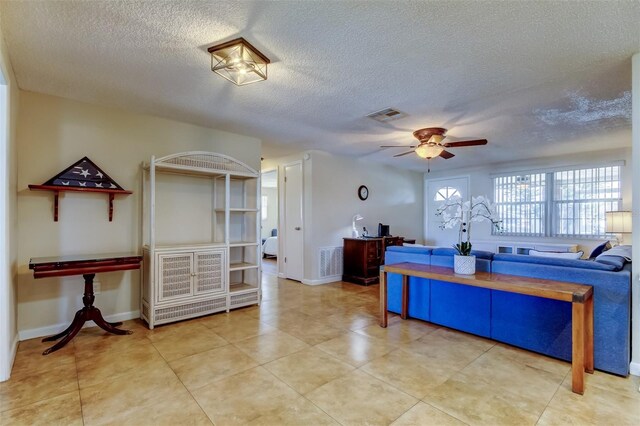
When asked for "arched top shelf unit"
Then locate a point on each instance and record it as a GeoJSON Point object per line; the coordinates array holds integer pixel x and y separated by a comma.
{"type": "Point", "coordinates": [201, 240]}
{"type": "Point", "coordinates": [203, 163]}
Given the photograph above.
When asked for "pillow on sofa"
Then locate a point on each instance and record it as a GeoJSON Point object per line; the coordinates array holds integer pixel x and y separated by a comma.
{"type": "Point", "coordinates": [622, 251]}
{"type": "Point", "coordinates": [556, 255]}
{"type": "Point", "coordinates": [617, 256]}
{"type": "Point", "coordinates": [600, 249]}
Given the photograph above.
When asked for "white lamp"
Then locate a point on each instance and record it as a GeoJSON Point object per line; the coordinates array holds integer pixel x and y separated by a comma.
{"type": "Point", "coordinates": [618, 222]}
{"type": "Point", "coordinates": [354, 231]}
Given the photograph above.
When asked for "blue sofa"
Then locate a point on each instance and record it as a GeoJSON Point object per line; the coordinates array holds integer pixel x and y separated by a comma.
{"type": "Point", "coordinates": [529, 322]}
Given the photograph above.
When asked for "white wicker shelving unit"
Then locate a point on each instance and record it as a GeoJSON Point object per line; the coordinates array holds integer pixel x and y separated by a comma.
{"type": "Point", "coordinates": [181, 281]}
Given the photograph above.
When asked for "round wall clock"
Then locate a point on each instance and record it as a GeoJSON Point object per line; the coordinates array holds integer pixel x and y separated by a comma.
{"type": "Point", "coordinates": [363, 192]}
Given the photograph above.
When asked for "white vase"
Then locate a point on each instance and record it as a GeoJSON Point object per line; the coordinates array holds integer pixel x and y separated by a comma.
{"type": "Point", "coordinates": [465, 265]}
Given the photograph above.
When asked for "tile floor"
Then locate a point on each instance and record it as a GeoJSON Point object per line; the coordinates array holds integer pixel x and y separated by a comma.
{"type": "Point", "coordinates": [307, 356]}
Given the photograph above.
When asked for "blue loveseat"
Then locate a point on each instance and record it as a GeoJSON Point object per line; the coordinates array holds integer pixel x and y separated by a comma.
{"type": "Point", "coordinates": [529, 322]}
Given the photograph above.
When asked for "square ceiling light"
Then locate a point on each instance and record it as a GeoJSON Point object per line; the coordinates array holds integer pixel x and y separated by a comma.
{"type": "Point", "coordinates": [239, 62]}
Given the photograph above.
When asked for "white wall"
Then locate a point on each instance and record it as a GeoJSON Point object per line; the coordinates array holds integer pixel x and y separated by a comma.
{"type": "Point", "coordinates": [9, 215]}
{"type": "Point", "coordinates": [480, 183]}
{"type": "Point", "coordinates": [331, 200]}
{"type": "Point", "coordinates": [53, 133]}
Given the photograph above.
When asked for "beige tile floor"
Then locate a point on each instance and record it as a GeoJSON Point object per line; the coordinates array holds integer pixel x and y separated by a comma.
{"type": "Point", "coordinates": [306, 356]}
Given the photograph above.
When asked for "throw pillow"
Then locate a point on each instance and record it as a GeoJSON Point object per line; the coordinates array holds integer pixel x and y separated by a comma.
{"type": "Point", "coordinates": [555, 255]}
{"type": "Point", "coordinates": [600, 249]}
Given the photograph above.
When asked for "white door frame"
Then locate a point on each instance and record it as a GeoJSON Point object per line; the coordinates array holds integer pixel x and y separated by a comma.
{"type": "Point", "coordinates": [262, 171]}
{"type": "Point", "coordinates": [6, 344]}
{"type": "Point", "coordinates": [427, 181]}
{"type": "Point", "coordinates": [282, 217]}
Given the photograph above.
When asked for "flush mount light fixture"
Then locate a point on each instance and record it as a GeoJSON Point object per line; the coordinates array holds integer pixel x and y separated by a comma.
{"type": "Point", "coordinates": [239, 62]}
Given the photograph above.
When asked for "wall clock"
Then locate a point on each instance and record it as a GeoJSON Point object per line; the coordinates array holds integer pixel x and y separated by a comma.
{"type": "Point", "coordinates": [363, 192]}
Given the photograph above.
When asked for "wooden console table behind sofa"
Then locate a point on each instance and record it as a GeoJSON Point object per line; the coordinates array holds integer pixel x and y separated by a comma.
{"type": "Point", "coordinates": [580, 296]}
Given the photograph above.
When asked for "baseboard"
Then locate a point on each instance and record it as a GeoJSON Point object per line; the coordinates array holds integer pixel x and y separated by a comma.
{"type": "Point", "coordinates": [32, 333]}
{"type": "Point", "coordinates": [281, 275]}
{"type": "Point", "coordinates": [634, 368]}
{"type": "Point", "coordinates": [326, 280]}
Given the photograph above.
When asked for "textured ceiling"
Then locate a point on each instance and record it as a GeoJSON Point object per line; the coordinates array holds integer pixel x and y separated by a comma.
{"type": "Point", "coordinates": [534, 78]}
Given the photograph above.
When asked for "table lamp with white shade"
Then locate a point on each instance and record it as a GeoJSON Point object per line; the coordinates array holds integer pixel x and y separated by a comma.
{"type": "Point", "coordinates": [618, 223]}
{"type": "Point", "coordinates": [354, 230]}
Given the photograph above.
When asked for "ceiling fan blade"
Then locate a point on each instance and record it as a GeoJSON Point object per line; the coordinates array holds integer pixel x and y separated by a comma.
{"type": "Point", "coordinates": [465, 143]}
{"type": "Point", "coordinates": [397, 146]}
{"type": "Point", "coordinates": [446, 155]}
{"type": "Point", "coordinates": [404, 153]}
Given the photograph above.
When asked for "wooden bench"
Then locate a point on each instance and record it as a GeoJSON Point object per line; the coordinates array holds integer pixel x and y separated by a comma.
{"type": "Point", "coordinates": [580, 296]}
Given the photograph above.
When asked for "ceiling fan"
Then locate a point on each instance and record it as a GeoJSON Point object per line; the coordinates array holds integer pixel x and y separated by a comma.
{"type": "Point", "coordinates": [431, 145]}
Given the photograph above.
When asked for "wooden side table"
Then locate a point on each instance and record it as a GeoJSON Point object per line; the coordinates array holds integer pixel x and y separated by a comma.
{"type": "Point", "coordinates": [87, 266]}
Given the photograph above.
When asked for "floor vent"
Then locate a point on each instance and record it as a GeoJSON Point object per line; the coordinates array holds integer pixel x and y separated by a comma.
{"type": "Point", "coordinates": [387, 114]}
{"type": "Point", "coordinates": [330, 261]}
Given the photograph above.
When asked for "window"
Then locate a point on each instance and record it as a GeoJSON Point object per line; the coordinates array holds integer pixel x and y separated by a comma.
{"type": "Point", "coordinates": [264, 206]}
{"type": "Point", "coordinates": [566, 203]}
{"type": "Point", "coordinates": [443, 194]}
{"type": "Point", "coordinates": [521, 203]}
{"type": "Point", "coordinates": [581, 197]}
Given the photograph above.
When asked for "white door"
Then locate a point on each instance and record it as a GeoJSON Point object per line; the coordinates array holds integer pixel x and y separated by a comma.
{"type": "Point", "coordinates": [437, 191]}
{"type": "Point", "coordinates": [292, 221]}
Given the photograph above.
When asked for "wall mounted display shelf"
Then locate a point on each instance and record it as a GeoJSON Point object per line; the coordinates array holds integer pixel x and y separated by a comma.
{"type": "Point", "coordinates": [82, 176]}
{"type": "Point", "coordinates": [181, 281]}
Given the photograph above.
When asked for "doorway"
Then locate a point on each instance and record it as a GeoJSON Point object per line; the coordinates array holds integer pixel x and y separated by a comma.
{"type": "Point", "coordinates": [269, 221]}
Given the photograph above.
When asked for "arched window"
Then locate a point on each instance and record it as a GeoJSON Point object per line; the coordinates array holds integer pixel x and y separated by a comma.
{"type": "Point", "coordinates": [443, 194]}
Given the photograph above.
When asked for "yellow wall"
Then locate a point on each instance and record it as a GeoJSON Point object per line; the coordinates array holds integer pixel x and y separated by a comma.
{"type": "Point", "coordinates": [53, 133]}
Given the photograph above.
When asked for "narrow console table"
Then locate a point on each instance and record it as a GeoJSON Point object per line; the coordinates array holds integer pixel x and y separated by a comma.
{"type": "Point", "coordinates": [87, 266]}
{"type": "Point", "coordinates": [580, 296]}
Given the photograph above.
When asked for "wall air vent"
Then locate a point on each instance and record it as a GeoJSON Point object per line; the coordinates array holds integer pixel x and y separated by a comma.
{"type": "Point", "coordinates": [387, 114]}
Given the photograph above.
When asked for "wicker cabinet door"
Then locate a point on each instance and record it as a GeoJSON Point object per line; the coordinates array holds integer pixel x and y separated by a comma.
{"type": "Point", "coordinates": [209, 269]}
{"type": "Point", "coordinates": [175, 276]}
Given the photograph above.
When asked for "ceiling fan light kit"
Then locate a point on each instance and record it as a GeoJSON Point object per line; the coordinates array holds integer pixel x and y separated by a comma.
{"type": "Point", "coordinates": [431, 145]}
{"type": "Point", "coordinates": [429, 150]}
{"type": "Point", "coordinates": [239, 62]}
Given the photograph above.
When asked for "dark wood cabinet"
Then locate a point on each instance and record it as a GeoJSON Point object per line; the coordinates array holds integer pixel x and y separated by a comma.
{"type": "Point", "coordinates": [363, 257]}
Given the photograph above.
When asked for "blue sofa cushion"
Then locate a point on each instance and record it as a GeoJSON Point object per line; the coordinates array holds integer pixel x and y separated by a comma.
{"type": "Point", "coordinates": [615, 261]}
{"type": "Point", "coordinates": [479, 254]}
{"type": "Point", "coordinates": [570, 263]}
{"type": "Point", "coordinates": [617, 256]}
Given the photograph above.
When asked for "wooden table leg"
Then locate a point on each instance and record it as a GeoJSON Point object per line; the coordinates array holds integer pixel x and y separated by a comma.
{"type": "Point", "coordinates": [588, 335]}
{"type": "Point", "coordinates": [405, 297]}
{"type": "Point", "coordinates": [578, 332]}
{"type": "Point", "coordinates": [383, 298]}
{"type": "Point", "coordinates": [88, 313]}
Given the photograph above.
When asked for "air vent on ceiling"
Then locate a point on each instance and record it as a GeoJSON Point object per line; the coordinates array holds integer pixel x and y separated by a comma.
{"type": "Point", "coordinates": [387, 114]}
